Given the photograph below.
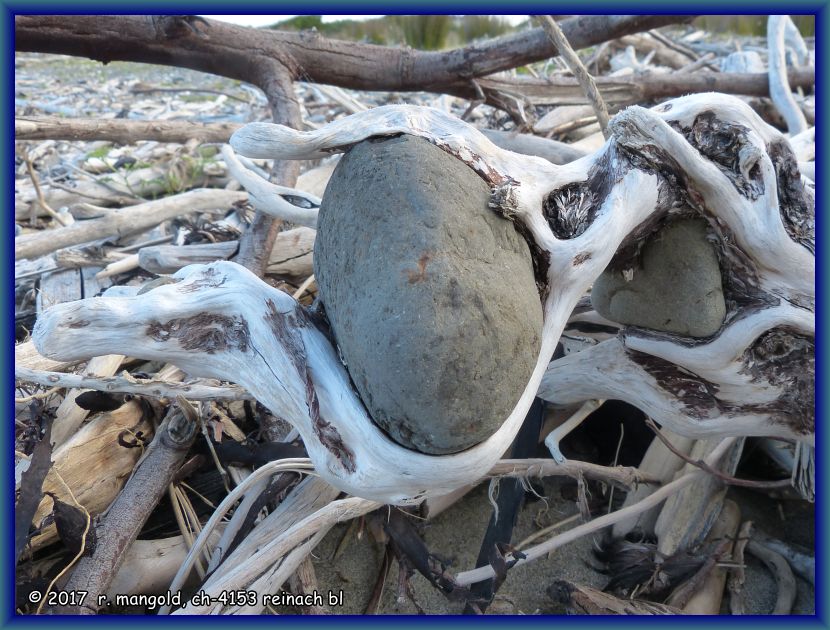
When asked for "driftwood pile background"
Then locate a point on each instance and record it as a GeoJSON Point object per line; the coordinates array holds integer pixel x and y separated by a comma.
{"type": "Point", "coordinates": [141, 489]}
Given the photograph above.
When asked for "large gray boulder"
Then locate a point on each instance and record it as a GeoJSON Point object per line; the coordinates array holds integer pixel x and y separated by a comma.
{"type": "Point", "coordinates": [430, 294]}
{"type": "Point", "coordinates": [677, 287]}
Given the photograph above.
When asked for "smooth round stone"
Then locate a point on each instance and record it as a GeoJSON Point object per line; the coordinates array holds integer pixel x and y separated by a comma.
{"type": "Point", "coordinates": [677, 288]}
{"type": "Point", "coordinates": [430, 294]}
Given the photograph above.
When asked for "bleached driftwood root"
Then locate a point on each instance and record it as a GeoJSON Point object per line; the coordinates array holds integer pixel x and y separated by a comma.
{"type": "Point", "coordinates": [269, 197]}
{"type": "Point", "coordinates": [781, 30]}
{"type": "Point", "coordinates": [705, 154]}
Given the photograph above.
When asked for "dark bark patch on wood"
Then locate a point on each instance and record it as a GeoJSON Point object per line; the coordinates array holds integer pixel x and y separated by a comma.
{"type": "Point", "coordinates": [779, 358]}
{"type": "Point", "coordinates": [796, 203]}
{"type": "Point", "coordinates": [330, 437]}
{"type": "Point", "coordinates": [210, 278]}
{"type": "Point", "coordinates": [698, 395]}
{"type": "Point", "coordinates": [571, 209]}
{"type": "Point", "coordinates": [178, 26]}
{"type": "Point", "coordinates": [581, 258]}
{"type": "Point", "coordinates": [726, 146]}
{"type": "Point", "coordinates": [206, 332]}
{"type": "Point", "coordinates": [503, 199]}
{"type": "Point", "coordinates": [739, 276]}
{"type": "Point", "coordinates": [540, 258]}
{"type": "Point", "coordinates": [81, 323]}
{"type": "Point", "coordinates": [286, 329]}
{"type": "Point", "coordinates": [787, 360]}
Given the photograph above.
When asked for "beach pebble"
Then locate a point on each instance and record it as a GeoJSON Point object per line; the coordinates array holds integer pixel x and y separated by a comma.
{"type": "Point", "coordinates": [675, 288]}
{"type": "Point", "coordinates": [429, 292]}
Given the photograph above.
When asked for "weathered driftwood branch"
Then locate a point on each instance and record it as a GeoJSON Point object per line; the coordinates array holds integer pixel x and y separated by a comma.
{"type": "Point", "coordinates": [584, 600]}
{"type": "Point", "coordinates": [239, 52]}
{"type": "Point", "coordinates": [273, 76]}
{"type": "Point", "coordinates": [779, 87]}
{"type": "Point", "coordinates": [268, 198]}
{"type": "Point", "coordinates": [131, 131]}
{"type": "Point", "coordinates": [704, 598]}
{"type": "Point", "coordinates": [126, 220]}
{"type": "Point", "coordinates": [784, 578]}
{"type": "Point", "coordinates": [291, 256]}
{"type": "Point", "coordinates": [119, 188]}
{"type": "Point", "coordinates": [130, 385]}
{"type": "Point", "coordinates": [623, 90]}
{"type": "Point", "coordinates": [709, 154]}
{"type": "Point", "coordinates": [120, 130]}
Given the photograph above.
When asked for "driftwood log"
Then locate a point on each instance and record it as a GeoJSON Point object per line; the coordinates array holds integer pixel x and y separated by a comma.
{"type": "Point", "coordinates": [708, 156]}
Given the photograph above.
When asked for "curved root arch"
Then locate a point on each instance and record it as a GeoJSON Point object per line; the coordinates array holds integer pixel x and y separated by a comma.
{"type": "Point", "coordinates": [709, 153]}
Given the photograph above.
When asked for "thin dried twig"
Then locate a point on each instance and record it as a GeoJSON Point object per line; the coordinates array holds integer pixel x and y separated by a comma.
{"type": "Point", "coordinates": [626, 476]}
{"type": "Point", "coordinates": [537, 551]}
{"type": "Point", "coordinates": [579, 70]}
{"type": "Point", "coordinates": [41, 199]}
{"type": "Point", "coordinates": [728, 479]}
{"type": "Point", "coordinates": [300, 465]}
{"type": "Point", "coordinates": [547, 530]}
{"type": "Point", "coordinates": [303, 287]}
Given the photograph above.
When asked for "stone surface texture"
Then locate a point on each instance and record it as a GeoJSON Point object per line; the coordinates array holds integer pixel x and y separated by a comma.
{"type": "Point", "coordinates": [676, 288]}
{"type": "Point", "coordinates": [430, 294]}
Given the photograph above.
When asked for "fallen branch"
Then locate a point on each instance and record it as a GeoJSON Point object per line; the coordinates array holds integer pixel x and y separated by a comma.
{"type": "Point", "coordinates": [182, 131]}
{"type": "Point", "coordinates": [273, 76]}
{"type": "Point", "coordinates": [660, 463]}
{"type": "Point", "coordinates": [41, 199]}
{"type": "Point", "coordinates": [124, 188]}
{"type": "Point", "coordinates": [245, 51]}
{"type": "Point", "coordinates": [802, 563]}
{"type": "Point", "coordinates": [584, 600]}
{"type": "Point", "coordinates": [125, 221]}
{"type": "Point", "coordinates": [627, 477]}
{"type": "Point", "coordinates": [120, 130]}
{"type": "Point", "coordinates": [131, 385]}
{"type": "Point", "coordinates": [269, 198]}
{"type": "Point", "coordinates": [618, 91]}
{"type": "Point", "coordinates": [722, 476]}
{"type": "Point", "coordinates": [291, 256]}
{"type": "Point", "coordinates": [737, 573]}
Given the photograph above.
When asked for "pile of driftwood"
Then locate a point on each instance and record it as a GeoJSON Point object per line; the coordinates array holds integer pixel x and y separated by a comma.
{"type": "Point", "coordinates": [186, 430]}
